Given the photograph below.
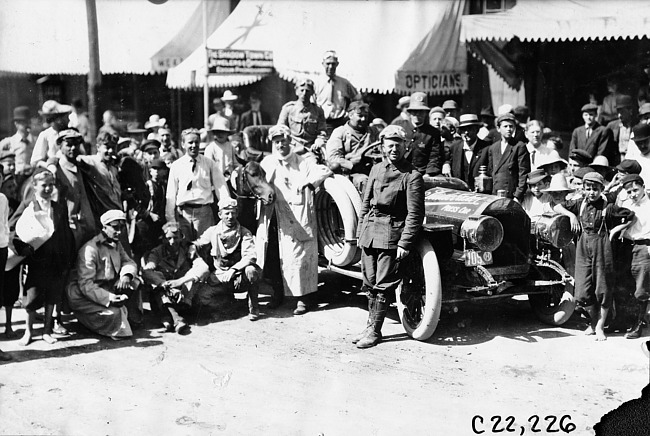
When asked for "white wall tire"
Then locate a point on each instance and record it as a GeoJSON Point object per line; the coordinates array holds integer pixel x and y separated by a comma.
{"type": "Point", "coordinates": [419, 304]}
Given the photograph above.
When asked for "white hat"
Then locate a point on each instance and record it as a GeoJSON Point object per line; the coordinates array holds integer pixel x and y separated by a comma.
{"type": "Point", "coordinates": [221, 124]}
{"type": "Point", "coordinates": [228, 96]}
{"type": "Point", "coordinates": [155, 121]}
{"type": "Point", "coordinates": [52, 107]}
{"type": "Point", "coordinates": [552, 157]}
{"type": "Point", "coordinates": [112, 215]}
{"type": "Point", "coordinates": [504, 109]}
{"type": "Point", "coordinates": [227, 203]}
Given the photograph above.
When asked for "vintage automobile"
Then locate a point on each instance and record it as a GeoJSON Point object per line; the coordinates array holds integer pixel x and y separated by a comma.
{"type": "Point", "coordinates": [473, 248]}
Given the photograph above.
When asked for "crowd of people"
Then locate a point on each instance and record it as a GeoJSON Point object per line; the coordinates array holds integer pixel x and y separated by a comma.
{"type": "Point", "coordinates": [91, 233]}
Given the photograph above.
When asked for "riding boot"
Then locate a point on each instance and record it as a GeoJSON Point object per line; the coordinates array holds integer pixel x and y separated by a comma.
{"type": "Point", "coordinates": [378, 314]}
{"type": "Point", "coordinates": [635, 331]}
{"type": "Point", "coordinates": [371, 302]}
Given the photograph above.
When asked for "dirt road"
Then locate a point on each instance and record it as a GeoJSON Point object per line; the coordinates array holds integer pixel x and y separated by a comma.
{"type": "Point", "coordinates": [286, 375]}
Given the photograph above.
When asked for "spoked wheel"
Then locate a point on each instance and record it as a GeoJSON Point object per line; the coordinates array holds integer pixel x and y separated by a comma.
{"type": "Point", "coordinates": [554, 307]}
{"type": "Point", "coordinates": [419, 296]}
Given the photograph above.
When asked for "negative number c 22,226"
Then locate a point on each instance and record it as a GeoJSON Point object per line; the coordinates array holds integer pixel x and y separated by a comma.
{"type": "Point", "coordinates": [535, 424]}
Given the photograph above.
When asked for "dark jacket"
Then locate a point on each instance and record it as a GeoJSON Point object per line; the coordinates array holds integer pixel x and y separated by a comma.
{"type": "Point", "coordinates": [427, 152]}
{"type": "Point", "coordinates": [598, 143]}
{"type": "Point", "coordinates": [246, 119]}
{"type": "Point", "coordinates": [509, 170]}
{"type": "Point", "coordinates": [392, 209]}
{"type": "Point", "coordinates": [459, 166]}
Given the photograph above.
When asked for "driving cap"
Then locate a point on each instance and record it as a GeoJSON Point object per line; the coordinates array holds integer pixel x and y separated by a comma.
{"type": "Point", "coordinates": [536, 176]}
{"type": "Point", "coordinates": [357, 105]}
{"type": "Point", "coordinates": [629, 166]}
{"type": "Point", "coordinates": [521, 110]}
{"type": "Point", "coordinates": [630, 178]}
{"type": "Point", "coordinates": [506, 117]}
{"type": "Point", "coordinates": [171, 228]}
{"type": "Point", "coordinates": [150, 144]}
{"type": "Point", "coordinates": [227, 203]}
{"type": "Point", "coordinates": [21, 113]}
{"type": "Point", "coordinates": [449, 104]}
{"type": "Point", "coordinates": [418, 102]}
{"type": "Point", "coordinates": [641, 132]}
{"type": "Point", "coordinates": [624, 101]}
{"type": "Point", "coordinates": [279, 130]}
{"type": "Point", "coordinates": [393, 132]}
{"type": "Point", "coordinates": [330, 54]}
{"type": "Point", "coordinates": [403, 102]}
{"type": "Point", "coordinates": [112, 215]}
{"type": "Point", "coordinates": [593, 177]}
{"type": "Point", "coordinates": [68, 134]}
{"type": "Point", "coordinates": [589, 107]}
{"type": "Point", "coordinates": [305, 83]}
{"type": "Point", "coordinates": [469, 120]}
{"type": "Point", "coordinates": [158, 164]}
{"type": "Point", "coordinates": [580, 155]}
{"type": "Point", "coordinates": [580, 172]}
{"type": "Point", "coordinates": [437, 110]}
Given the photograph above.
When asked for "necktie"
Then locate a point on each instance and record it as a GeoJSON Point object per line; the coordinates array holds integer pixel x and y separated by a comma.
{"type": "Point", "coordinates": [256, 119]}
{"type": "Point", "coordinates": [532, 157]}
{"type": "Point", "coordinates": [588, 132]}
{"type": "Point", "coordinates": [189, 185]}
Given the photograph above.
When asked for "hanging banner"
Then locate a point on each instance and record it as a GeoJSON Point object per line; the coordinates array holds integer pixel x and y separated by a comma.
{"type": "Point", "coordinates": [430, 82]}
{"type": "Point", "coordinates": [255, 62]}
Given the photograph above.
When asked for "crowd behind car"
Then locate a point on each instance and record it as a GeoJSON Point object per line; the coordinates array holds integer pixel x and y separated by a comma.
{"type": "Point", "coordinates": [91, 233]}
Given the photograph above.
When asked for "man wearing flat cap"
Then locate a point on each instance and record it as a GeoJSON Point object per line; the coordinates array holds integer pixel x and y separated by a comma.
{"type": "Point", "coordinates": [467, 154]}
{"type": "Point", "coordinates": [621, 128]}
{"type": "Point", "coordinates": [425, 148]}
{"type": "Point", "coordinates": [591, 136]}
{"type": "Point", "coordinates": [347, 148]}
{"type": "Point", "coordinates": [508, 160]}
{"type": "Point", "coordinates": [305, 119]}
{"type": "Point", "coordinates": [402, 105]}
{"type": "Point", "coordinates": [106, 299]}
{"type": "Point", "coordinates": [22, 142]}
{"type": "Point", "coordinates": [56, 116]}
{"type": "Point", "coordinates": [232, 259]}
{"type": "Point", "coordinates": [391, 216]}
{"type": "Point", "coordinates": [334, 93]}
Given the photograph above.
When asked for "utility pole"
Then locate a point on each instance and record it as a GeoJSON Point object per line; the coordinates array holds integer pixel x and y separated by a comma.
{"type": "Point", "coordinates": [206, 88]}
{"type": "Point", "coordinates": [94, 74]}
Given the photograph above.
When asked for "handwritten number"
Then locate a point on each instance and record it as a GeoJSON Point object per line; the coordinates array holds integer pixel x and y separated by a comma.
{"type": "Point", "coordinates": [551, 420]}
{"type": "Point", "coordinates": [534, 428]}
{"type": "Point", "coordinates": [511, 421]}
{"type": "Point", "coordinates": [496, 420]}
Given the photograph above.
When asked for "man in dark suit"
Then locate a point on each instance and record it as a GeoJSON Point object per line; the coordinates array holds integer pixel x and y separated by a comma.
{"type": "Point", "coordinates": [426, 149]}
{"type": "Point", "coordinates": [591, 137]}
{"type": "Point", "coordinates": [255, 116]}
{"type": "Point", "coordinates": [390, 219]}
{"type": "Point", "coordinates": [466, 155]}
{"type": "Point", "coordinates": [621, 128]}
{"type": "Point", "coordinates": [508, 160]}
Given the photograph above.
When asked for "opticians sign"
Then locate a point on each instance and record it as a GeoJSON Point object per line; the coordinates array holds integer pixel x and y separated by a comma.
{"type": "Point", "coordinates": [255, 62]}
{"type": "Point", "coordinates": [430, 82]}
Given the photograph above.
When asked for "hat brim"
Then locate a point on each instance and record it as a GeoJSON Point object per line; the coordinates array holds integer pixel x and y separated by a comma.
{"type": "Point", "coordinates": [558, 190]}
{"type": "Point", "coordinates": [536, 179]}
{"type": "Point", "coordinates": [640, 139]}
{"type": "Point", "coordinates": [470, 123]}
{"type": "Point", "coordinates": [232, 98]}
{"type": "Point", "coordinates": [136, 131]}
{"type": "Point", "coordinates": [560, 161]}
{"type": "Point", "coordinates": [418, 108]}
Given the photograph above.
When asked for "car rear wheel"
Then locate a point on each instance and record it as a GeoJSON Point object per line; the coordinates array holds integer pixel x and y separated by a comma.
{"type": "Point", "coordinates": [554, 307]}
{"type": "Point", "coordinates": [419, 296]}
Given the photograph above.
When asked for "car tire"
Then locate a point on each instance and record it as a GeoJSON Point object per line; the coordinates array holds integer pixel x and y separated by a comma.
{"type": "Point", "coordinates": [556, 307]}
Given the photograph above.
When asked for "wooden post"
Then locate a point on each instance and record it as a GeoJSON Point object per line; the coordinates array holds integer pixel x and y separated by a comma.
{"type": "Point", "coordinates": [94, 74]}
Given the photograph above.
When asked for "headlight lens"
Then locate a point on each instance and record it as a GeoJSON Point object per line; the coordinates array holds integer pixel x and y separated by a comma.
{"type": "Point", "coordinates": [554, 229]}
{"type": "Point", "coordinates": [485, 232]}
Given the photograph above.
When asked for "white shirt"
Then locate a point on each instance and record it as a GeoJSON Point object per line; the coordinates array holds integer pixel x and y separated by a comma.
{"type": "Point", "coordinates": [633, 152]}
{"type": "Point", "coordinates": [45, 146]}
{"type": "Point", "coordinates": [4, 221]}
{"type": "Point", "coordinates": [640, 227]}
{"type": "Point", "coordinates": [469, 151]}
{"type": "Point", "coordinates": [536, 154]}
{"type": "Point", "coordinates": [21, 148]}
{"type": "Point", "coordinates": [223, 155]}
{"type": "Point", "coordinates": [536, 207]}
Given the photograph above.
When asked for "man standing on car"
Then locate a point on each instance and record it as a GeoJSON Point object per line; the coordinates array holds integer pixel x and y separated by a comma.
{"type": "Point", "coordinates": [391, 216]}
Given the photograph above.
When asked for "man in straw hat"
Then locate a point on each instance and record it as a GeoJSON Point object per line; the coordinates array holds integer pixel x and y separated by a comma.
{"type": "Point", "coordinates": [594, 267]}
{"type": "Point", "coordinates": [467, 154]}
{"type": "Point", "coordinates": [638, 236]}
{"type": "Point", "coordinates": [220, 150]}
{"type": "Point", "coordinates": [107, 282]}
{"type": "Point", "coordinates": [233, 257]}
{"type": "Point", "coordinates": [22, 142]}
{"type": "Point", "coordinates": [425, 147]}
{"type": "Point", "coordinates": [56, 116]}
{"type": "Point", "coordinates": [294, 180]}
{"type": "Point", "coordinates": [391, 216]}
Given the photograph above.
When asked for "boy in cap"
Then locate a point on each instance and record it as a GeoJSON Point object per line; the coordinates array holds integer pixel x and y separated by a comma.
{"type": "Point", "coordinates": [578, 159]}
{"type": "Point", "coordinates": [22, 142]}
{"type": "Point", "coordinates": [233, 256]}
{"type": "Point", "coordinates": [591, 136]}
{"type": "Point", "coordinates": [402, 105]}
{"type": "Point", "coordinates": [334, 93]}
{"type": "Point", "coordinates": [614, 190]}
{"type": "Point", "coordinates": [220, 150]}
{"type": "Point", "coordinates": [107, 282]}
{"type": "Point", "coordinates": [305, 119]}
{"type": "Point", "coordinates": [391, 216]}
{"type": "Point", "coordinates": [594, 267]}
{"type": "Point", "coordinates": [168, 270]}
{"type": "Point", "coordinates": [451, 108]}
{"type": "Point", "coordinates": [426, 148]}
{"type": "Point", "coordinates": [508, 160]}
{"type": "Point", "coordinates": [638, 235]}
{"type": "Point", "coordinates": [437, 117]}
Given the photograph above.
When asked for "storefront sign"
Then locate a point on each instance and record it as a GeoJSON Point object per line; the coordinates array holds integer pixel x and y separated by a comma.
{"type": "Point", "coordinates": [257, 62]}
{"type": "Point", "coordinates": [162, 64]}
{"type": "Point", "coordinates": [431, 83]}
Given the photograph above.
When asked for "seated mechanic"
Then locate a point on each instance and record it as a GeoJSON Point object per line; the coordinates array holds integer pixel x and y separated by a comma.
{"type": "Point", "coordinates": [232, 249]}
{"type": "Point", "coordinates": [106, 299]}
{"type": "Point", "coordinates": [166, 263]}
{"type": "Point", "coordinates": [347, 149]}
